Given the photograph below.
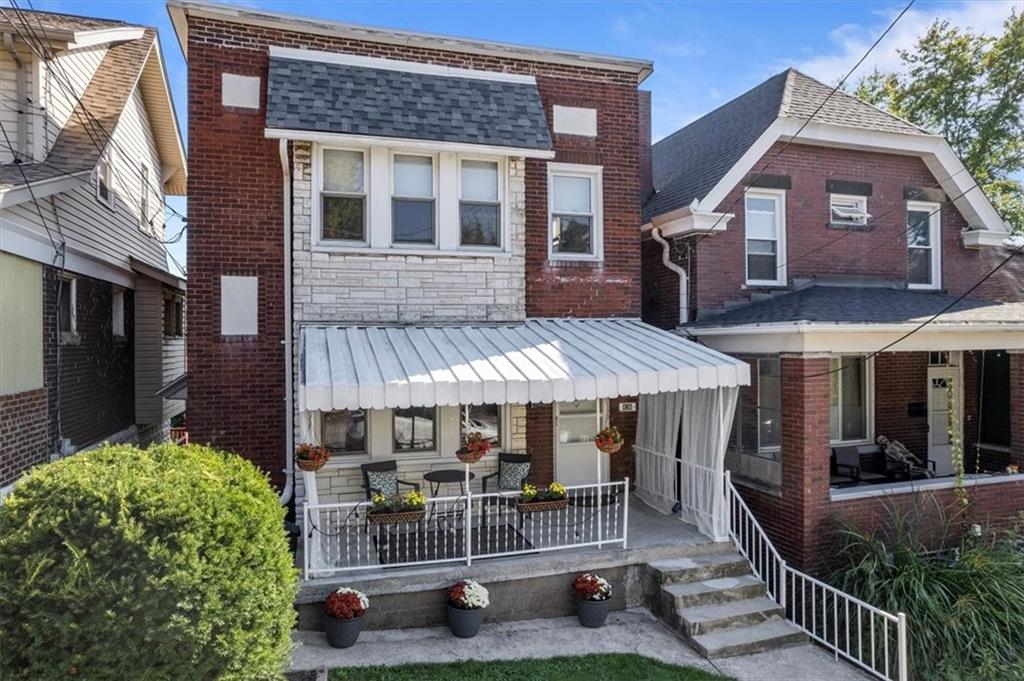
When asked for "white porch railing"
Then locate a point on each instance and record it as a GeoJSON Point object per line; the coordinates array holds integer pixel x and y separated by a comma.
{"type": "Point", "coordinates": [869, 637]}
{"type": "Point", "coordinates": [340, 537]}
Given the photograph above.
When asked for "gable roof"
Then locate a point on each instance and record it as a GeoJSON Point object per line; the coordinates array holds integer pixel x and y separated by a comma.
{"type": "Point", "coordinates": [125, 65]}
{"type": "Point", "coordinates": [386, 102]}
{"type": "Point", "coordinates": [688, 164]}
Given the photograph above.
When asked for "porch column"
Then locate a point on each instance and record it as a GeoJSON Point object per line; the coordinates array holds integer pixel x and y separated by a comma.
{"type": "Point", "coordinates": [1017, 407]}
{"type": "Point", "coordinates": [540, 442]}
{"type": "Point", "coordinates": [805, 456]}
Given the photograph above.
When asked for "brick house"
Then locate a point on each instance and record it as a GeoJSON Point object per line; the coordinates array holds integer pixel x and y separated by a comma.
{"type": "Point", "coordinates": [397, 238]}
{"type": "Point", "coordinates": [814, 251]}
{"type": "Point", "coordinates": [91, 320]}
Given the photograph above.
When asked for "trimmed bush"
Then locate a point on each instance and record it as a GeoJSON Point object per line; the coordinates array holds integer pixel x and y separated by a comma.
{"type": "Point", "coordinates": [169, 563]}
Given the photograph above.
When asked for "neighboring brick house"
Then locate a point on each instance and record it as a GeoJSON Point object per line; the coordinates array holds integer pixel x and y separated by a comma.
{"type": "Point", "coordinates": [806, 249]}
{"type": "Point", "coordinates": [388, 231]}
{"type": "Point", "coordinates": [91, 321]}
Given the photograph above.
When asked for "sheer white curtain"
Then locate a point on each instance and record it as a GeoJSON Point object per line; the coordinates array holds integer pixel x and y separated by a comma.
{"type": "Point", "coordinates": [657, 433]}
{"type": "Point", "coordinates": [706, 421]}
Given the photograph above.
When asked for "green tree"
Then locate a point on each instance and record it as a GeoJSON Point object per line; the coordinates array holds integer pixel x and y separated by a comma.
{"type": "Point", "coordinates": [970, 88]}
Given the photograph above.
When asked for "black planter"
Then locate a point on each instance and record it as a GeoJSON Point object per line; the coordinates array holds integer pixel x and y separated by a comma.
{"type": "Point", "coordinates": [465, 623]}
{"type": "Point", "coordinates": [592, 614]}
{"type": "Point", "coordinates": [342, 633]}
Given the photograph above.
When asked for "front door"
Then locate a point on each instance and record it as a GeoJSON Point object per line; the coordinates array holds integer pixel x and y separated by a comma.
{"type": "Point", "coordinates": [576, 424]}
{"type": "Point", "coordinates": [941, 378]}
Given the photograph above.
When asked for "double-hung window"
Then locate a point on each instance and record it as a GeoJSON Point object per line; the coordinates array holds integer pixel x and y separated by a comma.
{"type": "Point", "coordinates": [480, 418]}
{"type": "Point", "coordinates": [479, 205]}
{"type": "Point", "coordinates": [849, 398]}
{"type": "Point", "coordinates": [923, 258]}
{"type": "Point", "coordinates": [105, 179]}
{"type": "Point", "coordinates": [765, 213]}
{"type": "Point", "coordinates": [574, 199]}
{"type": "Point", "coordinates": [412, 200]}
{"type": "Point", "coordinates": [344, 432]}
{"type": "Point", "coordinates": [769, 405]}
{"type": "Point", "coordinates": [145, 221]}
{"type": "Point", "coordinates": [343, 196]}
{"type": "Point", "coordinates": [415, 429]}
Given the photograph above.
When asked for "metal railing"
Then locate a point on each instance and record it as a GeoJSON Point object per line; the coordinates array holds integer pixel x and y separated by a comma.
{"type": "Point", "coordinates": [869, 637]}
{"type": "Point", "coordinates": [344, 537]}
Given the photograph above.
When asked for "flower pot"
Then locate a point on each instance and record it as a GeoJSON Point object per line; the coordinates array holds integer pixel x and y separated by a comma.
{"type": "Point", "coordinates": [342, 633]}
{"type": "Point", "coordinates": [309, 465]}
{"type": "Point", "coordinates": [465, 623]}
{"type": "Point", "coordinates": [592, 613]}
{"type": "Point", "coordinates": [467, 456]}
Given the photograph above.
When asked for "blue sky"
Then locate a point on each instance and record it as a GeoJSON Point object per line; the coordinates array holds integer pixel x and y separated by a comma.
{"type": "Point", "coordinates": [705, 53]}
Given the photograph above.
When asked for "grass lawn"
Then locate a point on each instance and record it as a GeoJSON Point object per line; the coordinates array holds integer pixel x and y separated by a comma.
{"type": "Point", "coordinates": [586, 668]}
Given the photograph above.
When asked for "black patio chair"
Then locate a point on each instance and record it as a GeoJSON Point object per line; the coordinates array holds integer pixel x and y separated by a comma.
{"type": "Point", "coordinates": [384, 475]}
{"type": "Point", "coordinates": [513, 472]}
{"type": "Point", "coordinates": [861, 463]}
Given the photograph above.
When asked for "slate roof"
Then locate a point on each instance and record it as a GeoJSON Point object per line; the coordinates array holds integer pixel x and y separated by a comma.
{"type": "Point", "coordinates": [75, 150]}
{"type": "Point", "coordinates": [341, 98]}
{"type": "Point", "coordinates": [866, 305]}
{"type": "Point", "coordinates": [689, 163]}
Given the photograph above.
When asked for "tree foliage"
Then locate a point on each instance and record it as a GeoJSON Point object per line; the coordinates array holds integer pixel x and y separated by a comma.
{"type": "Point", "coordinates": [968, 87]}
{"type": "Point", "coordinates": [165, 564]}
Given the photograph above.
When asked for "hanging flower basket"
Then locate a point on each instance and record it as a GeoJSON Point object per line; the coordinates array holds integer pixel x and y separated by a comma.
{"type": "Point", "coordinates": [609, 440]}
{"type": "Point", "coordinates": [552, 498]}
{"type": "Point", "coordinates": [310, 457]}
{"type": "Point", "coordinates": [476, 448]}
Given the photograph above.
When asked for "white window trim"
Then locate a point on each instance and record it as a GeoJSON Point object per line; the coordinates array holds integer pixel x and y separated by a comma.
{"type": "Point", "coordinates": [934, 236]}
{"type": "Point", "coordinates": [596, 175]}
{"type": "Point", "coordinates": [502, 203]}
{"type": "Point", "coordinates": [117, 299]}
{"type": "Point", "coordinates": [70, 284]}
{"type": "Point", "coordinates": [861, 204]}
{"type": "Point", "coordinates": [869, 398]}
{"type": "Point", "coordinates": [779, 196]}
{"type": "Point", "coordinates": [317, 193]}
{"type": "Point", "coordinates": [770, 449]}
{"type": "Point", "coordinates": [435, 170]}
{"type": "Point", "coordinates": [106, 160]}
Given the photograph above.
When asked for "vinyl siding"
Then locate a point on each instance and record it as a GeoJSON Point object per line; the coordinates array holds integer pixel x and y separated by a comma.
{"type": "Point", "coordinates": [9, 101]}
{"type": "Point", "coordinates": [63, 83]}
{"type": "Point", "coordinates": [174, 366]}
{"type": "Point", "coordinates": [148, 350]}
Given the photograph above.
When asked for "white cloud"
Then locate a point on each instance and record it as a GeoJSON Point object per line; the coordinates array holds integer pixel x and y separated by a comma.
{"type": "Point", "coordinates": [851, 41]}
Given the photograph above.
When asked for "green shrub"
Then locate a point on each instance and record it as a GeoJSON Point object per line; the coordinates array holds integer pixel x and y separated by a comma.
{"type": "Point", "coordinates": [169, 563]}
{"type": "Point", "coordinates": [963, 597]}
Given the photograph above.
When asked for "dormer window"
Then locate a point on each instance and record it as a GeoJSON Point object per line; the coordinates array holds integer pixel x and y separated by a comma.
{"type": "Point", "coordinates": [105, 179]}
{"type": "Point", "coordinates": [848, 211]}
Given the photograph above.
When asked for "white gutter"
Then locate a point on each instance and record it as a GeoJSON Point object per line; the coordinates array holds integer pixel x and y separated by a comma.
{"type": "Point", "coordinates": [848, 327]}
{"type": "Point", "coordinates": [684, 281]}
{"type": "Point", "coordinates": [289, 419]}
{"type": "Point", "coordinates": [403, 143]}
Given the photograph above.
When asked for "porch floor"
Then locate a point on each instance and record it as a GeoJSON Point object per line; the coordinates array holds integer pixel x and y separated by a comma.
{"type": "Point", "coordinates": [651, 536]}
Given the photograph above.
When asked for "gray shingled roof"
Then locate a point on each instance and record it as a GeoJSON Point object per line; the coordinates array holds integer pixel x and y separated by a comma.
{"type": "Point", "coordinates": [689, 163]}
{"type": "Point", "coordinates": [339, 98]}
{"type": "Point", "coordinates": [866, 305]}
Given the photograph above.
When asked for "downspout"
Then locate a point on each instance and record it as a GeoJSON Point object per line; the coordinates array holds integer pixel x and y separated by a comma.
{"type": "Point", "coordinates": [289, 419]}
{"type": "Point", "coordinates": [22, 94]}
{"type": "Point", "coordinates": [684, 282]}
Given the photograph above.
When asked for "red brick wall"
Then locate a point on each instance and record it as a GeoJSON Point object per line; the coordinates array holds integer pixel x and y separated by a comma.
{"type": "Point", "coordinates": [659, 284]}
{"type": "Point", "coordinates": [540, 442]}
{"type": "Point", "coordinates": [901, 378]}
{"type": "Point", "coordinates": [24, 440]}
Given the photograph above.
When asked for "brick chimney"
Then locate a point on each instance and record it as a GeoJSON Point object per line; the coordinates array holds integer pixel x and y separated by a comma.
{"type": "Point", "coordinates": [646, 179]}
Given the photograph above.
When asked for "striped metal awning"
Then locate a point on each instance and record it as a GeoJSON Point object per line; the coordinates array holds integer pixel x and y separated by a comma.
{"type": "Point", "coordinates": [538, 360]}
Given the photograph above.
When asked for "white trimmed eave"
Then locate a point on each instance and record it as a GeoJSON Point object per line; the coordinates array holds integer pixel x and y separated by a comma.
{"type": "Point", "coordinates": [155, 89]}
{"type": "Point", "coordinates": [13, 196]}
{"type": "Point", "coordinates": [117, 34]}
{"type": "Point", "coordinates": [343, 139]}
{"type": "Point", "coordinates": [823, 337]}
{"type": "Point", "coordinates": [688, 220]}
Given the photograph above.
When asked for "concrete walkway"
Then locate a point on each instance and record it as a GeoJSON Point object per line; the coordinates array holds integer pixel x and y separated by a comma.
{"type": "Point", "coordinates": [630, 631]}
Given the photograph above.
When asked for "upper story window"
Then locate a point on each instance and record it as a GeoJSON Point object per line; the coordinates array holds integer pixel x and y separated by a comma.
{"type": "Point", "coordinates": [105, 178]}
{"type": "Point", "coordinates": [765, 212]}
{"type": "Point", "coordinates": [174, 316]}
{"type": "Point", "coordinates": [574, 212]}
{"type": "Point", "coordinates": [343, 196]}
{"type": "Point", "coordinates": [145, 221]}
{"type": "Point", "coordinates": [923, 253]}
{"type": "Point", "coordinates": [479, 203]}
{"type": "Point", "coordinates": [848, 211]}
{"type": "Point", "coordinates": [412, 200]}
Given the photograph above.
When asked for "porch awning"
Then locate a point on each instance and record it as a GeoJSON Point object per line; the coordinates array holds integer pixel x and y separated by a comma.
{"type": "Point", "coordinates": [538, 360]}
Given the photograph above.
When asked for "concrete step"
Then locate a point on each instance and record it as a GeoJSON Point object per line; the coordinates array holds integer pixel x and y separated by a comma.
{"type": "Point", "coordinates": [710, 591]}
{"type": "Point", "coordinates": [703, 619]}
{"type": "Point", "coordinates": [700, 568]}
{"type": "Point", "coordinates": [756, 638]}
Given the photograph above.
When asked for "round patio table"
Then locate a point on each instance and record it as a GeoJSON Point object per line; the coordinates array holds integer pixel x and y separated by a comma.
{"type": "Point", "coordinates": [447, 476]}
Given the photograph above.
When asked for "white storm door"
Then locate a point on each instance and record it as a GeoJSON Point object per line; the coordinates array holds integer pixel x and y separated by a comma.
{"type": "Point", "coordinates": [940, 445]}
{"type": "Point", "coordinates": [576, 424]}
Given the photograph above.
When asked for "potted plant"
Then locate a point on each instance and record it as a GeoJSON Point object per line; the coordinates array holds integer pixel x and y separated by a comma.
{"type": "Point", "coordinates": [410, 507]}
{"type": "Point", "coordinates": [554, 497]}
{"type": "Point", "coordinates": [310, 457]}
{"type": "Point", "coordinates": [476, 448]}
{"type": "Point", "coordinates": [593, 598]}
{"type": "Point", "coordinates": [344, 611]}
{"type": "Point", "coordinates": [467, 601]}
{"type": "Point", "coordinates": [609, 440]}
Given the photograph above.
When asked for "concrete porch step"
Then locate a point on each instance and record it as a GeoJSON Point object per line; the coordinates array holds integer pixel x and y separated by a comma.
{"type": "Point", "coordinates": [769, 635]}
{"type": "Point", "coordinates": [710, 591]}
{"type": "Point", "coordinates": [703, 619]}
{"type": "Point", "coordinates": [700, 568]}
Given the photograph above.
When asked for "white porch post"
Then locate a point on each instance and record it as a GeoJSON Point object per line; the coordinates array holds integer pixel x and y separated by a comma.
{"type": "Point", "coordinates": [311, 518]}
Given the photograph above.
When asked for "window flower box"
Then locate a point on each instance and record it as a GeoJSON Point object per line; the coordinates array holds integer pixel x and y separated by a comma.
{"type": "Point", "coordinates": [408, 508]}
{"type": "Point", "coordinates": [552, 498]}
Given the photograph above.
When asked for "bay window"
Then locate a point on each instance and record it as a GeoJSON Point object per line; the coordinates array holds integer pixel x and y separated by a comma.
{"type": "Point", "coordinates": [574, 207]}
{"type": "Point", "coordinates": [479, 205]}
{"type": "Point", "coordinates": [765, 220]}
{"type": "Point", "coordinates": [414, 429]}
{"type": "Point", "coordinates": [412, 200]}
{"type": "Point", "coordinates": [344, 432]}
{"type": "Point", "coordinates": [343, 196]}
{"type": "Point", "coordinates": [923, 263]}
{"type": "Point", "coordinates": [480, 418]}
{"type": "Point", "coordinates": [849, 398]}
